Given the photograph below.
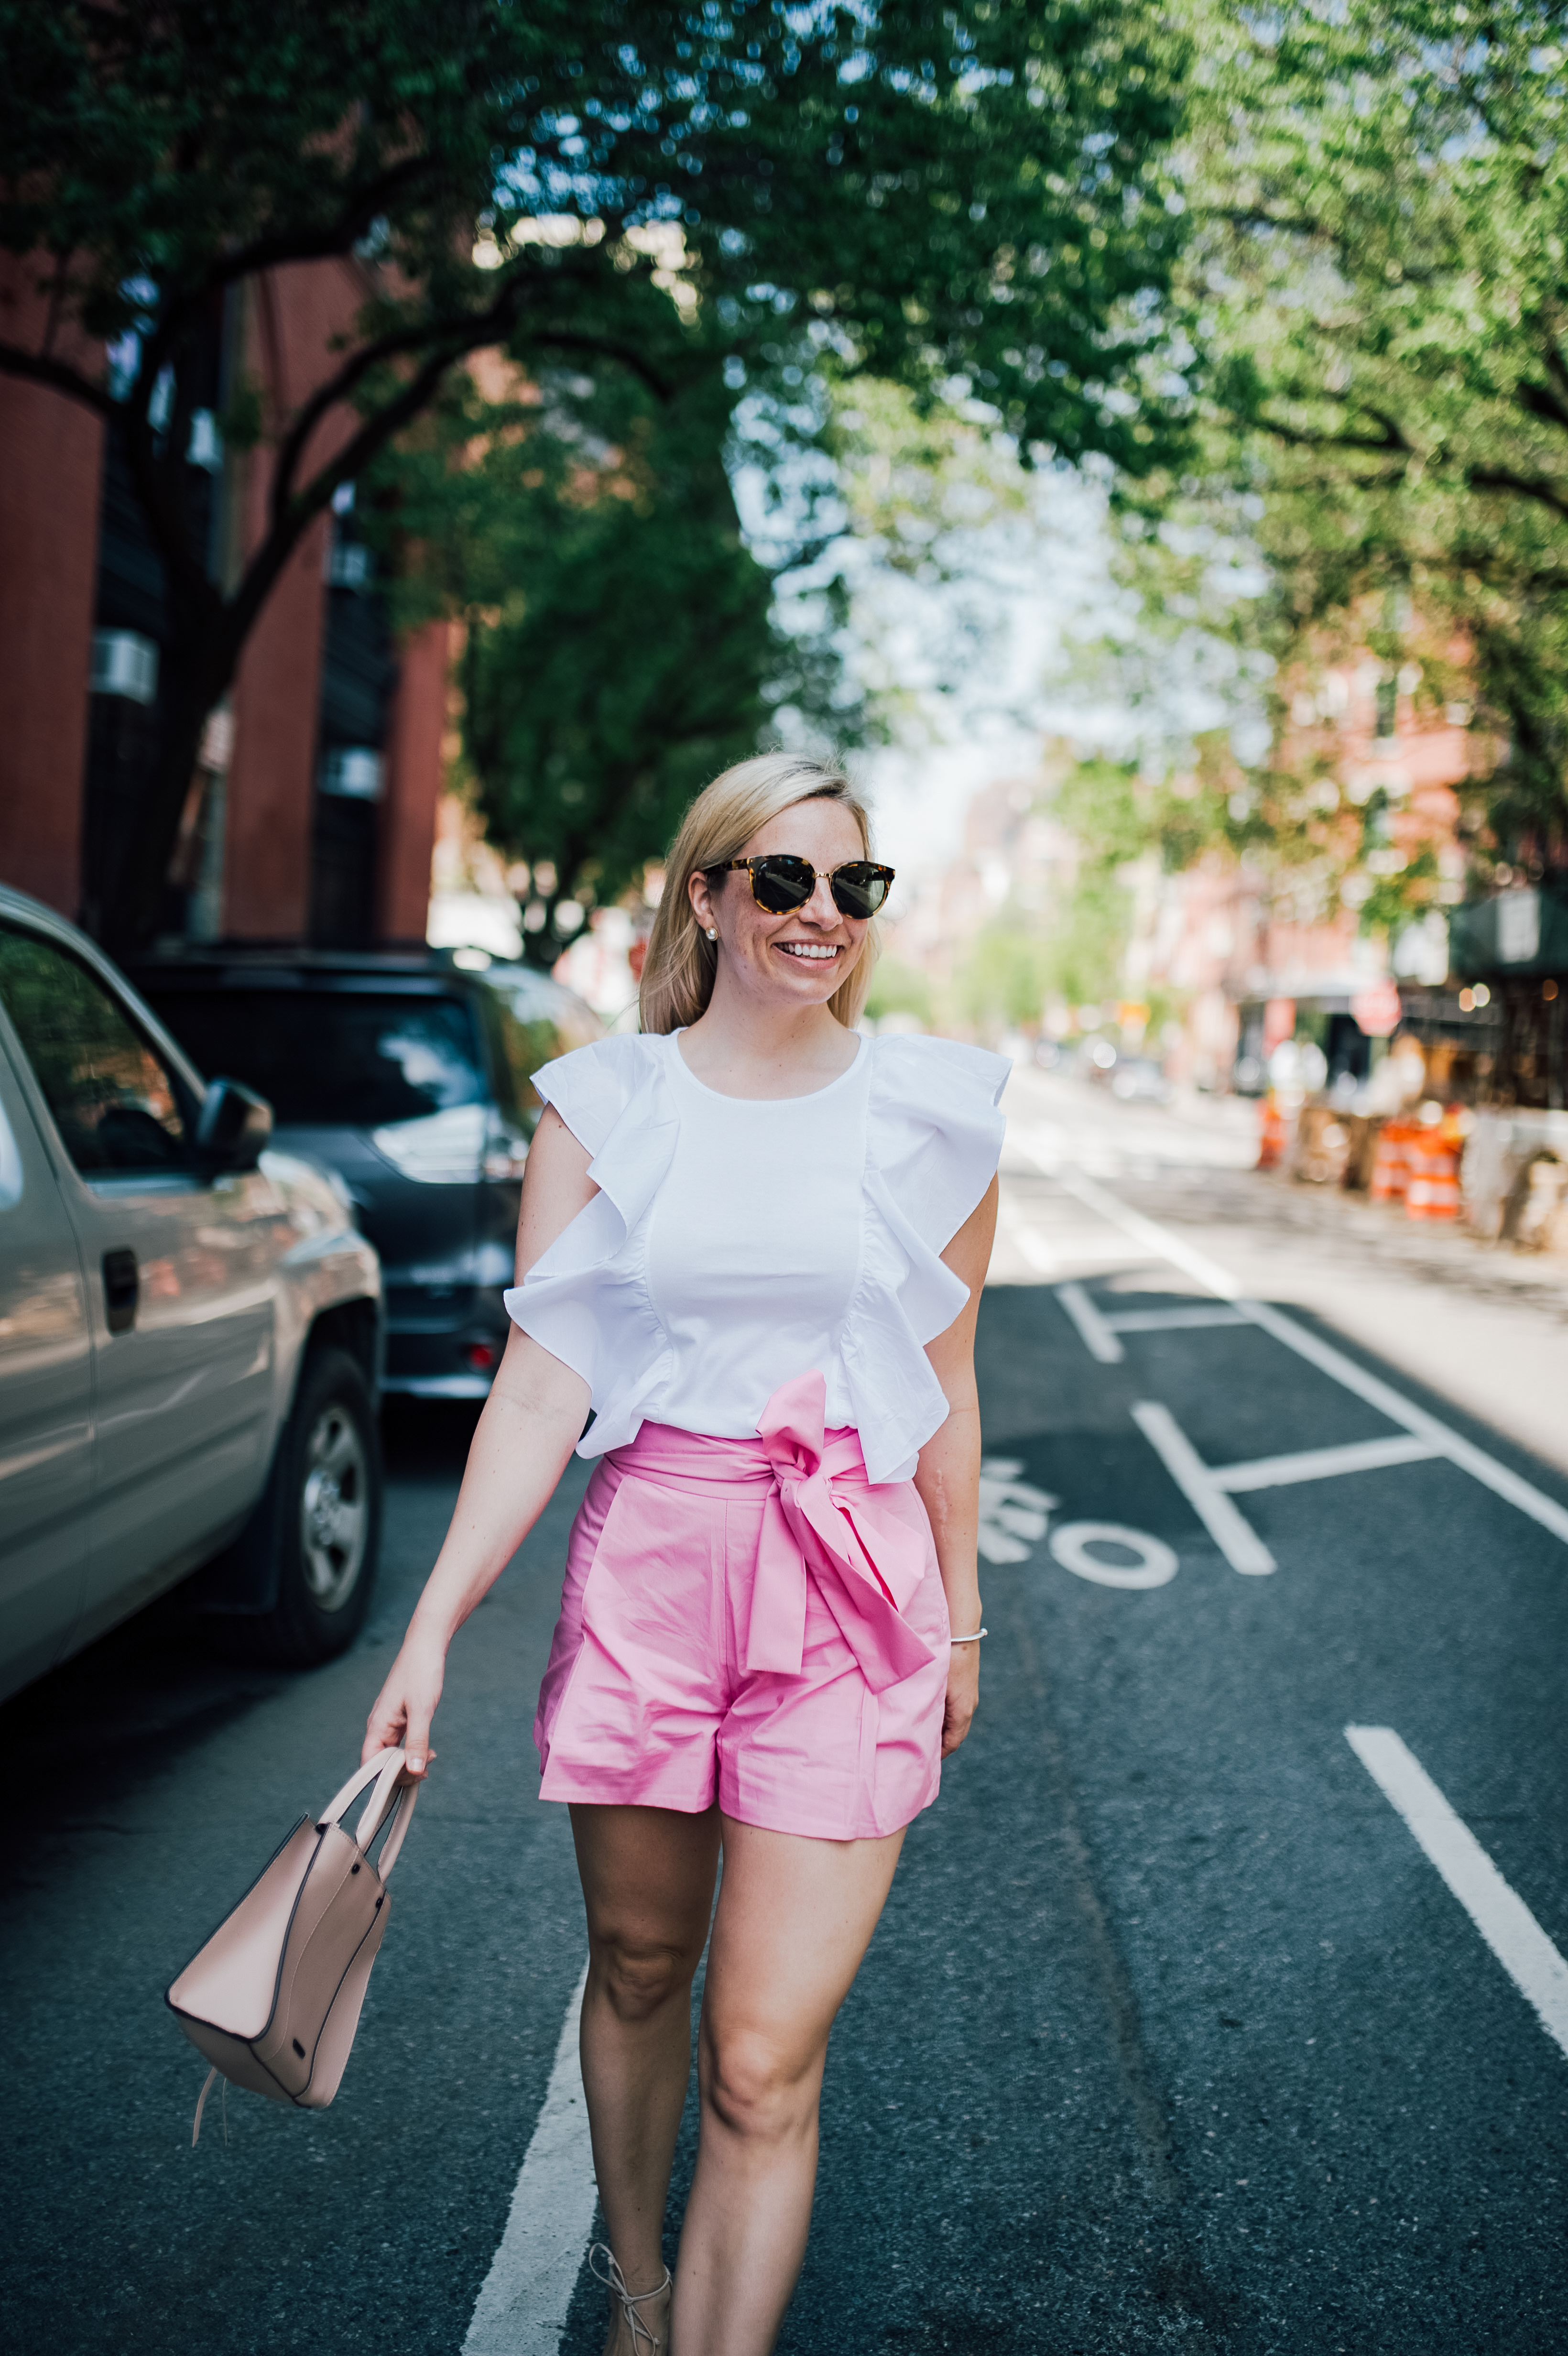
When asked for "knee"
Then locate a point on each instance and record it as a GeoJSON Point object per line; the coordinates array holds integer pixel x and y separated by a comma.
{"type": "Point", "coordinates": [639, 1976]}
{"type": "Point", "coordinates": [754, 2089]}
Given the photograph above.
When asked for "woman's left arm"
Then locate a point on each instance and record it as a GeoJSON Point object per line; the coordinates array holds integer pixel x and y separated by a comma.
{"type": "Point", "coordinates": [948, 1473]}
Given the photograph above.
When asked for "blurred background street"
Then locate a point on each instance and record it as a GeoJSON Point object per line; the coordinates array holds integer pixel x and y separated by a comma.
{"type": "Point", "coordinates": [433, 443]}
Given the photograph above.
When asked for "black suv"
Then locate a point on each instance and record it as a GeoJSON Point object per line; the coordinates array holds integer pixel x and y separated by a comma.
{"type": "Point", "coordinates": [408, 1076]}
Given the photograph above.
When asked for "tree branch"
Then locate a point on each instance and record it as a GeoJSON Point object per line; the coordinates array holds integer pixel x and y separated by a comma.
{"type": "Point", "coordinates": [42, 367]}
{"type": "Point", "coordinates": [290, 522]}
{"type": "Point", "coordinates": [1539, 401]}
{"type": "Point", "coordinates": [396, 343]}
{"type": "Point", "coordinates": [450, 344]}
{"type": "Point", "coordinates": [1390, 443]}
{"type": "Point", "coordinates": [1526, 486]}
{"type": "Point", "coordinates": [608, 348]}
{"type": "Point", "coordinates": [466, 333]}
{"type": "Point", "coordinates": [38, 368]}
{"type": "Point", "coordinates": [335, 239]}
{"type": "Point", "coordinates": [1258, 217]}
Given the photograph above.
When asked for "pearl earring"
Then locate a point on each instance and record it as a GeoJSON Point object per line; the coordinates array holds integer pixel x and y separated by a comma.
{"type": "Point", "coordinates": [712, 932]}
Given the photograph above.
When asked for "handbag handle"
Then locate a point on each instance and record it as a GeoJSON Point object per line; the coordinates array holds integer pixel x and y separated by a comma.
{"type": "Point", "coordinates": [388, 1802]}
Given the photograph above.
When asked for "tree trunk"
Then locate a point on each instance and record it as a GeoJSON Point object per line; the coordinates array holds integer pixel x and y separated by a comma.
{"type": "Point", "coordinates": [203, 659]}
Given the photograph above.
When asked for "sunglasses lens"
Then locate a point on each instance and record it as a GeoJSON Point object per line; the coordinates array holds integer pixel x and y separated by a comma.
{"type": "Point", "coordinates": [782, 884]}
{"type": "Point", "coordinates": [859, 889]}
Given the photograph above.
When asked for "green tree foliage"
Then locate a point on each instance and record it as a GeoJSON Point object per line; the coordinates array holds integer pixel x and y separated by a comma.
{"type": "Point", "coordinates": [1121, 812]}
{"type": "Point", "coordinates": [1003, 980]}
{"type": "Point", "coordinates": [620, 641]}
{"type": "Point", "coordinates": [623, 661]}
{"type": "Point", "coordinates": [1374, 301]}
{"type": "Point", "coordinates": [898, 989]}
{"type": "Point", "coordinates": [911, 190]}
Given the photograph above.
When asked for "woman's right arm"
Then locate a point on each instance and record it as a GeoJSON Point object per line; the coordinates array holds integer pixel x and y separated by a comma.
{"type": "Point", "coordinates": [531, 1423]}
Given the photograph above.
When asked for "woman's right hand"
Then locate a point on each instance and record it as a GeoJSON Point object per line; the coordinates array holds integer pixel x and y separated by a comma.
{"type": "Point", "coordinates": [406, 1703]}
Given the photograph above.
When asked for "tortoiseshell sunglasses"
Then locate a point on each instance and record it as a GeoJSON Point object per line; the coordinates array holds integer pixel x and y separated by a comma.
{"type": "Point", "coordinates": [780, 882]}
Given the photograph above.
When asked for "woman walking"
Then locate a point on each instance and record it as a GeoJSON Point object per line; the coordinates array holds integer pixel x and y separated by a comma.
{"type": "Point", "coordinates": [752, 1243]}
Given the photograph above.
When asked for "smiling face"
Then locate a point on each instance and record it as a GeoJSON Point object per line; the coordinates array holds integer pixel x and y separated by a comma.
{"type": "Point", "coordinates": [802, 958]}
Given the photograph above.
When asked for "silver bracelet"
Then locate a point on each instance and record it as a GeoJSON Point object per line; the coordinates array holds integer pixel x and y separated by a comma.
{"type": "Point", "coordinates": [969, 1640]}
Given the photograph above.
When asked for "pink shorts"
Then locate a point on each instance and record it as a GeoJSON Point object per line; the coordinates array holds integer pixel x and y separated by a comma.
{"type": "Point", "coordinates": [770, 1634]}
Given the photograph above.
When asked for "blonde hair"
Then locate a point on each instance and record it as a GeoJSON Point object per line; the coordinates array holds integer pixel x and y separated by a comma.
{"type": "Point", "coordinates": [678, 976]}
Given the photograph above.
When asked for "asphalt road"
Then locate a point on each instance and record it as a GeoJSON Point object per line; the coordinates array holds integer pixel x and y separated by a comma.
{"type": "Point", "coordinates": [1172, 2035]}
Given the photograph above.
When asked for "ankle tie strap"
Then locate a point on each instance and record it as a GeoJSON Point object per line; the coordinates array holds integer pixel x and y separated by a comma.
{"type": "Point", "coordinates": [614, 2282]}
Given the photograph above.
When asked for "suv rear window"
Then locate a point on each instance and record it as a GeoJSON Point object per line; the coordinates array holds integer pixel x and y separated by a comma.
{"type": "Point", "coordinates": [332, 1059]}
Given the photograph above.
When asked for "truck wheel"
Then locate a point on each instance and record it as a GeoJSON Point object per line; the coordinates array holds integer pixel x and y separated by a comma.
{"type": "Point", "coordinates": [319, 1521]}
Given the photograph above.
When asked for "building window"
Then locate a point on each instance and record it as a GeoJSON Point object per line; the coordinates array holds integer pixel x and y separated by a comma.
{"type": "Point", "coordinates": [348, 564]}
{"type": "Point", "coordinates": [125, 663]}
{"type": "Point", "coordinates": [354, 770]}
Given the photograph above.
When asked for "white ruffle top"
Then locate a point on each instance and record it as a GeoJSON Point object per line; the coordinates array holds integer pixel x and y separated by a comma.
{"type": "Point", "coordinates": [735, 1244]}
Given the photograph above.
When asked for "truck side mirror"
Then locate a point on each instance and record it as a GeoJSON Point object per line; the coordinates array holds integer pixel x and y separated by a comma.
{"type": "Point", "coordinates": [234, 1130]}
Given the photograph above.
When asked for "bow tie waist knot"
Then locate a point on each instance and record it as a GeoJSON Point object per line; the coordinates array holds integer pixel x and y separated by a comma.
{"type": "Point", "coordinates": [823, 1522]}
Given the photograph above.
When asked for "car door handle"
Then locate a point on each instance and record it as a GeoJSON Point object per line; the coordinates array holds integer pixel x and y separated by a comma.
{"type": "Point", "coordinates": [121, 1287]}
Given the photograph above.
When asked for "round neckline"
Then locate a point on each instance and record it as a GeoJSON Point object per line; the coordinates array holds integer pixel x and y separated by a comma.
{"type": "Point", "coordinates": [807, 1096]}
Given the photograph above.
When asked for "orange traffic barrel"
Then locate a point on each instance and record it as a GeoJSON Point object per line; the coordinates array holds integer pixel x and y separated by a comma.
{"type": "Point", "coordinates": [1390, 1163]}
{"type": "Point", "coordinates": [1272, 1135]}
{"type": "Point", "coordinates": [1434, 1189]}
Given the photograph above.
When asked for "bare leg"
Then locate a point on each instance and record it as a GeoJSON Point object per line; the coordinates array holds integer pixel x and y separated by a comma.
{"type": "Point", "coordinates": [795, 1918]}
{"type": "Point", "coordinates": [648, 1881]}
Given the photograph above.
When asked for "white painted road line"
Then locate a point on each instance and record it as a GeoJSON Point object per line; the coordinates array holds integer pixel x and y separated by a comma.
{"type": "Point", "coordinates": [1157, 1563]}
{"type": "Point", "coordinates": [1209, 1487]}
{"type": "Point", "coordinates": [1321, 1464]}
{"type": "Point", "coordinates": [521, 2308]}
{"type": "Point", "coordinates": [1236, 1539]}
{"type": "Point", "coordinates": [1172, 1321]}
{"type": "Point", "coordinates": [1443, 1440]}
{"type": "Point", "coordinates": [1097, 1336]}
{"type": "Point", "coordinates": [1498, 1914]}
{"type": "Point", "coordinates": [1147, 1232]}
{"type": "Point", "coordinates": [1013, 1515]}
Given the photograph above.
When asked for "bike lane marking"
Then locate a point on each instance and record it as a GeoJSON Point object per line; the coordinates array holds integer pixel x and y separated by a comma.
{"type": "Point", "coordinates": [1498, 1911]}
{"type": "Point", "coordinates": [1232, 1533]}
{"type": "Point", "coordinates": [522, 2302]}
{"type": "Point", "coordinates": [1093, 1329]}
{"type": "Point", "coordinates": [1156, 1566]}
{"type": "Point", "coordinates": [1440, 1438]}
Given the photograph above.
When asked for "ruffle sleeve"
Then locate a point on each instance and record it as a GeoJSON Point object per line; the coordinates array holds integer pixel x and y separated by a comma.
{"type": "Point", "coordinates": [592, 1088]}
{"type": "Point", "coordinates": [586, 1299]}
{"type": "Point", "coordinates": [933, 1140]}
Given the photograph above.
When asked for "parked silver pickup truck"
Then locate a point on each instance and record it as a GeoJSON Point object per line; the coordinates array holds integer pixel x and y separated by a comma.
{"type": "Point", "coordinates": [190, 1334]}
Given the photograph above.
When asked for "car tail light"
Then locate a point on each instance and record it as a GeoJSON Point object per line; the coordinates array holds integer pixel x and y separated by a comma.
{"type": "Point", "coordinates": [481, 1356]}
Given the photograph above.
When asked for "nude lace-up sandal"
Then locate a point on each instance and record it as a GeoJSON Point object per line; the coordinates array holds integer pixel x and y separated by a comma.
{"type": "Point", "coordinates": [644, 2337]}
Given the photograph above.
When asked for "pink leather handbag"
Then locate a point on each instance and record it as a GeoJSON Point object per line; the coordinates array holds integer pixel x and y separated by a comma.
{"type": "Point", "coordinates": [274, 1997]}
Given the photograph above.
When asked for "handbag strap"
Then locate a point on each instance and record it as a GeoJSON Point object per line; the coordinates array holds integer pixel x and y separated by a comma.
{"type": "Point", "coordinates": [207, 2087]}
{"type": "Point", "coordinates": [389, 1802]}
{"type": "Point", "coordinates": [403, 1800]}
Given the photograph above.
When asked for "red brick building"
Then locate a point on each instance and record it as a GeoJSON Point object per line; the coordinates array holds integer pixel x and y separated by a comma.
{"type": "Point", "coordinates": [313, 815]}
{"type": "Point", "coordinates": [1255, 956]}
